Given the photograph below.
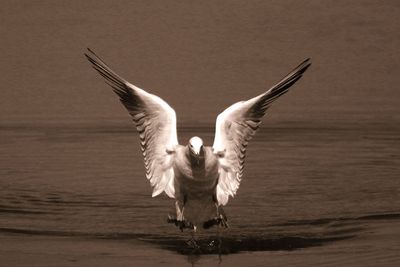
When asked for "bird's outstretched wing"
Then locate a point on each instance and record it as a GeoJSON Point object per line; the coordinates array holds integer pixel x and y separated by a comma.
{"type": "Point", "coordinates": [156, 123]}
{"type": "Point", "coordinates": [236, 125]}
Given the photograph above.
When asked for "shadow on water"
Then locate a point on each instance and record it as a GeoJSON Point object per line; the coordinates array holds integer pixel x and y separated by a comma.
{"type": "Point", "coordinates": [292, 235]}
{"type": "Point", "coordinates": [231, 244]}
{"type": "Point", "coordinates": [224, 245]}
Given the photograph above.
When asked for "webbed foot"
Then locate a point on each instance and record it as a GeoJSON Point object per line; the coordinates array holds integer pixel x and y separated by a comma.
{"type": "Point", "coordinates": [180, 224]}
{"type": "Point", "coordinates": [220, 221]}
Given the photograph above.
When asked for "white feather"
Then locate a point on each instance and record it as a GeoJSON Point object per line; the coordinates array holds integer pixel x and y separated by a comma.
{"type": "Point", "coordinates": [156, 123]}
{"type": "Point", "coordinates": [236, 125]}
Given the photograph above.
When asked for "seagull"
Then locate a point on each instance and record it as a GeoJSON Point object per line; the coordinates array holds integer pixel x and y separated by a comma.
{"type": "Point", "coordinates": [200, 178]}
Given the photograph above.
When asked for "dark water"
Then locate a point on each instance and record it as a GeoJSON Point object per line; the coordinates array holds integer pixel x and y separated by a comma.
{"type": "Point", "coordinates": [322, 194]}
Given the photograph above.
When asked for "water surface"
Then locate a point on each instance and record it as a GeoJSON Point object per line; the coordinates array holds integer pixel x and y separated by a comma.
{"type": "Point", "coordinates": [313, 193]}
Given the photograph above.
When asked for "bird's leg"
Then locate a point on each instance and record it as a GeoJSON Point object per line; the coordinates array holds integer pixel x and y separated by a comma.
{"type": "Point", "coordinates": [179, 211]}
{"type": "Point", "coordinates": [221, 219]}
{"type": "Point", "coordinates": [179, 215]}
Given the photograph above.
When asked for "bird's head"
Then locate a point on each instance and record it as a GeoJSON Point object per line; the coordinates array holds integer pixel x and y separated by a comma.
{"type": "Point", "coordinates": [196, 146]}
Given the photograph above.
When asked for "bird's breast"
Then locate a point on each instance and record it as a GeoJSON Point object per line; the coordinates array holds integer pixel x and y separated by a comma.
{"type": "Point", "coordinates": [196, 176]}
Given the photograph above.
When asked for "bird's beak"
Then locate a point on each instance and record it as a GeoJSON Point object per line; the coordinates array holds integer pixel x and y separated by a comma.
{"type": "Point", "coordinates": [197, 150]}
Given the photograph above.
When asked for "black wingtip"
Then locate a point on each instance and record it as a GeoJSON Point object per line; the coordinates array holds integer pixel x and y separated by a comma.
{"type": "Point", "coordinates": [88, 54]}
{"type": "Point", "coordinates": [306, 63]}
{"type": "Point", "coordinates": [302, 67]}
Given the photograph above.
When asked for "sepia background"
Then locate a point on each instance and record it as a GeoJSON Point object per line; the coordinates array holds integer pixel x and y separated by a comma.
{"type": "Point", "coordinates": [322, 179]}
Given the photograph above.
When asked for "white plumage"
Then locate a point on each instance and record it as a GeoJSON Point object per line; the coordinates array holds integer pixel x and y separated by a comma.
{"type": "Point", "coordinates": [200, 178]}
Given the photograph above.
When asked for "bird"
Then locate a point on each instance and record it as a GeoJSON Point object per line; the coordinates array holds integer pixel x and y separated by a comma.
{"type": "Point", "coordinates": [200, 178]}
